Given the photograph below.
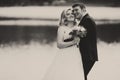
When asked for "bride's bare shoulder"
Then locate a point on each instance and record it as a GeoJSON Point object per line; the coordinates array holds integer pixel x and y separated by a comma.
{"type": "Point", "coordinates": [62, 28]}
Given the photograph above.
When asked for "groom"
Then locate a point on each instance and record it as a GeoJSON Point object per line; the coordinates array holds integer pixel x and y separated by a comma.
{"type": "Point", "coordinates": [88, 44]}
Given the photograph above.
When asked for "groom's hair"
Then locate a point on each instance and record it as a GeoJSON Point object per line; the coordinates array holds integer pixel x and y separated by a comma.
{"type": "Point", "coordinates": [81, 5]}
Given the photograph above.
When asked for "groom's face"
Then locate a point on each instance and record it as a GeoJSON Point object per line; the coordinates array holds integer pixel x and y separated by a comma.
{"type": "Point", "coordinates": [77, 12]}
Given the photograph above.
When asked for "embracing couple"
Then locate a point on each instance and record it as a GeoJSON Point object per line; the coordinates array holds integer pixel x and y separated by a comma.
{"type": "Point", "coordinates": [76, 39]}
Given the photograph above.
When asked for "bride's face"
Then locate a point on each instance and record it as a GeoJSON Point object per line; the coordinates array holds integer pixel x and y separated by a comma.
{"type": "Point", "coordinates": [69, 16]}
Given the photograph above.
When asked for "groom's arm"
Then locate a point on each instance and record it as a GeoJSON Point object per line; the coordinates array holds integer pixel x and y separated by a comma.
{"type": "Point", "coordinates": [91, 34]}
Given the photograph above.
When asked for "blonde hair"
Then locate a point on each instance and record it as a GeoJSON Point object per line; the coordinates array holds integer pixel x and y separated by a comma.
{"type": "Point", "coordinates": [63, 18]}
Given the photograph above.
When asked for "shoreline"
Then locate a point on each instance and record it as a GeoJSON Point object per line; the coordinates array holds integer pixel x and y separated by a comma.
{"type": "Point", "coordinates": [31, 22]}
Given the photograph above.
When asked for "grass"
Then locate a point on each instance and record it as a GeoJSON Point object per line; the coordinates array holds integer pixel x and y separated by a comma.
{"type": "Point", "coordinates": [31, 61]}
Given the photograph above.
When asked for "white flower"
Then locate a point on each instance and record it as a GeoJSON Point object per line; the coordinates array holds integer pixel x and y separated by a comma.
{"type": "Point", "coordinates": [82, 29]}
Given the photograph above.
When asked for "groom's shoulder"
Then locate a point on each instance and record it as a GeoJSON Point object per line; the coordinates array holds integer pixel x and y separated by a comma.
{"type": "Point", "coordinates": [89, 19]}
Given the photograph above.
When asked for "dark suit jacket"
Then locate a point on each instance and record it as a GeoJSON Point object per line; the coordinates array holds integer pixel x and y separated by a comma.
{"type": "Point", "coordinates": [88, 44]}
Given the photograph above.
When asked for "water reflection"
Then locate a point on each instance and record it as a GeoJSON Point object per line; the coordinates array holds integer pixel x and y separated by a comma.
{"type": "Point", "coordinates": [26, 34]}
{"type": "Point", "coordinates": [47, 34]}
{"type": "Point", "coordinates": [108, 32]}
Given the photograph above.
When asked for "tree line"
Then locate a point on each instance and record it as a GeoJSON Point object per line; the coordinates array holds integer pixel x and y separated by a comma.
{"type": "Point", "coordinates": [49, 2]}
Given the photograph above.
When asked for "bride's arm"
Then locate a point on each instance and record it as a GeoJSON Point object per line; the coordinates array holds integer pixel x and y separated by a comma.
{"type": "Point", "coordinates": [60, 41]}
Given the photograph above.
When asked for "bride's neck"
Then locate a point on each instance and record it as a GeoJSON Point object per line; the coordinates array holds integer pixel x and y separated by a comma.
{"type": "Point", "coordinates": [70, 24]}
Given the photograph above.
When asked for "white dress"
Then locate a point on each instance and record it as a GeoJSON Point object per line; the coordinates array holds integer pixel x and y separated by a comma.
{"type": "Point", "coordinates": [67, 64]}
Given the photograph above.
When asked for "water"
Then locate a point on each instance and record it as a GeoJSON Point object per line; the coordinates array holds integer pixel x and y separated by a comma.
{"type": "Point", "coordinates": [47, 34]}
{"type": "Point", "coordinates": [108, 32]}
{"type": "Point", "coordinates": [26, 34]}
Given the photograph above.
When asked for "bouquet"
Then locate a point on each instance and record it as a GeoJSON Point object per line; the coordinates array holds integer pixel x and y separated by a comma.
{"type": "Point", "coordinates": [78, 31]}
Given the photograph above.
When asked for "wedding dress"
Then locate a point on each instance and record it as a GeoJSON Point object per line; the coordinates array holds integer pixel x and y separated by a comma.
{"type": "Point", "coordinates": [67, 64]}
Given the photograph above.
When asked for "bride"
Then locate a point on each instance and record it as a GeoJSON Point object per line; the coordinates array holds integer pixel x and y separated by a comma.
{"type": "Point", "coordinates": [67, 64]}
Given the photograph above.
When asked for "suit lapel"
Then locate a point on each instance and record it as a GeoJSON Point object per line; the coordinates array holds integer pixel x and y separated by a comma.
{"type": "Point", "coordinates": [82, 20]}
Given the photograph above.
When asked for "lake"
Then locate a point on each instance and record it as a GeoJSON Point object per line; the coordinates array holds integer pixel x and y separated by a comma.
{"type": "Point", "coordinates": [47, 34]}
